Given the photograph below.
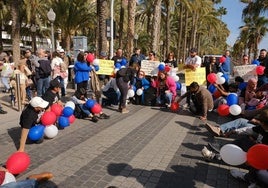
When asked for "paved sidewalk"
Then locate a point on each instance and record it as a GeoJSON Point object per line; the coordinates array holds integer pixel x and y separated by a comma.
{"type": "Point", "coordinates": [148, 147]}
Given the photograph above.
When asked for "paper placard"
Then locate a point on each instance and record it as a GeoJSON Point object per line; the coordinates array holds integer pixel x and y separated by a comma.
{"type": "Point", "coordinates": [106, 67]}
{"type": "Point", "coordinates": [245, 71]}
{"type": "Point", "coordinates": [199, 76]}
{"type": "Point", "coordinates": [150, 67]}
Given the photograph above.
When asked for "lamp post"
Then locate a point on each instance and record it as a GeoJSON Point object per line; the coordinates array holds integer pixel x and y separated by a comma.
{"type": "Point", "coordinates": [51, 17]}
{"type": "Point", "coordinates": [136, 37]}
{"type": "Point", "coordinates": [112, 30]}
{"type": "Point", "coordinates": [33, 30]}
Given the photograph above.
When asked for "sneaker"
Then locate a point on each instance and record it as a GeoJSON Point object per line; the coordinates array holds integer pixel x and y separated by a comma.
{"type": "Point", "coordinates": [3, 111]}
{"type": "Point", "coordinates": [104, 116]}
{"type": "Point", "coordinates": [216, 131]}
{"type": "Point", "coordinates": [238, 174]}
{"type": "Point", "coordinates": [41, 177]}
{"type": "Point", "coordinates": [94, 119]}
{"type": "Point", "coordinates": [215, 146]}
{"type": "Point", "coordinates": [124, 111]}
{"type": "Point", "coordinates": [186, 106]}
{"type": "Point", "coordinates": [207, 154]}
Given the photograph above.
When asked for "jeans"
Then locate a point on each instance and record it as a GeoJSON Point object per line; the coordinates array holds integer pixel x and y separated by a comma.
{"type": "Point", "coordinates": [236, 124]}
{"type": "Point", "coordinates": [85, 109]}
{"type": "Point", "coordinates": [164, 98]}
{"type": "Point", "coordinates": [123, 88]}
{"type": "Point", "coordinates": [29, 183]}
{"type": "Point", "coordinates": [112, 96]}
{"type": "Point", "coordinates": [5, 81]}
{"type": "Point", "coordinates": [42, 85]}
{"type": "Point", "coordinates": [61, 80]}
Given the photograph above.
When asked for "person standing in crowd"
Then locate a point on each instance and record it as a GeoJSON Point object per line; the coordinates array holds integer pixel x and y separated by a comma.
{"type": "Point", "coordinates": [165, 88]}
{"type": "Point", "coordinates": [81, 70]}
{"type": "Point", "coordinates": [124, 77]}
{"type": "Point", "coordinates": [67, 61]}
{"type": "Point", "coordinates": [136, 58]}
{"type": "Point", "coordinates": [152, 56]}
{"type": "Point", "coordinates": [192, 62]}
{"type": "Point", "coordinates": [245, 60]}
{"type": "Point", "coordinates": [43, 72]}
{"type": "Point", "coordinates": [30, 59]}
{"type": "Point", "coordinates": [7, 69]}
{"type": "Point", "coordinates": [171, 61]}
{"type": "Point", "coordinates": [263, 59]}
{"type": "Point", "coordinates": [225, 67]}
{"type": "Point", "coordinates": [211, 65]}
{"type": "Point", "coordinates": [119, 58]}
{"type": "Point", "coordinates": [202, 100]}
{"type": "Point", "coordinates": [29, 118]}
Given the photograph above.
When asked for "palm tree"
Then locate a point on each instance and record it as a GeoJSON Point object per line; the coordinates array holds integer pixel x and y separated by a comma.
{"type": "Point", "coordinates": [102, 9]}
{"type": "Point", "coordinates": [131, 26]}
{"type": "Point", "coordinates": [156, 25]}
{"type": "Point", "coordinates": [15, 33]}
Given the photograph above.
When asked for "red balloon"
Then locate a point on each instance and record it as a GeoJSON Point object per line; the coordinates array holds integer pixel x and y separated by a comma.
{"type": "Point", "coordinates": [57, 109]}
{"type": "Point", "coordinates": [223, 110]}
{"type": "Point", "coordinates": [90, 58]}
{"type": "Point", "coordinates": [167, 68]}
{"type": "Point", "coordinates": [222, 59]}
{"type": "Point", "coordinates": [96, 109]}
{"type": "Point", "coordinates": [261, 105]}
{"type": "Point", "coordinates": [212, 77]}
{"type": "Point", "coordinates": [217, 94]}
{"type": "Point", "coordinates": [71, 118]}
{"type": "Point", "coordinates": [174, 106]}
{"type": "Point", "coordinates": [257, 156]}
{"type": "Point", "coordinates": [260, 70]}
{"type": "Point", "coordinates": [48, 118]}
{"type": "Point", "coordinates": [18, 162]}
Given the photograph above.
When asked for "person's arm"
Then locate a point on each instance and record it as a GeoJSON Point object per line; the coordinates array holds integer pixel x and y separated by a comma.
{"type": "Point", "coordinates": [23, 138]}
{"type": "Point", "coordinates": [221, 90]}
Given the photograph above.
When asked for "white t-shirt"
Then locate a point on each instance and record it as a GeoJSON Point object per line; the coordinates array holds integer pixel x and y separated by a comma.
{"type": "Point", "coordinates": [193, 60]}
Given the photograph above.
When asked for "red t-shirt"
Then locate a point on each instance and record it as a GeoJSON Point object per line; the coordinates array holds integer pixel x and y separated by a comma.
{"type": "Point", "coordinates": [2, 177]}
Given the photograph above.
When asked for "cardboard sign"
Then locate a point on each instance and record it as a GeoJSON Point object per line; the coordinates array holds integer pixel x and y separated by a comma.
{"type": "Point", "coordinates": [149, 67]}
{"type": "Point", "coordinates": [199, 76]}
{"type": "Point", "coordinates": [245, 71]}
{"type": "Point", "coordinates": [106, 67]}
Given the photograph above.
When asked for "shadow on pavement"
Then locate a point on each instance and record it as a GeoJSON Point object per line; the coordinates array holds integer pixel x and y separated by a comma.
{"type": "Point", "coordinates": [14, 134]}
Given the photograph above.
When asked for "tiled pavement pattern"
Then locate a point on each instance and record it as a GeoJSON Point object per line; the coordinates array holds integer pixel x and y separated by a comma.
{"type": "Point", "coordinates": [149, 147]}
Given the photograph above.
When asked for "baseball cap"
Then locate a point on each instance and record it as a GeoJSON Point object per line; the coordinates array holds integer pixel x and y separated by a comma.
{"type": "Point", "coordinates": [62, 51]}
{"type": "Point", "coordinates": [192, 50]}
{"type": "Point", "coordinates": [54, 83]}
{"type": "Point", "coordinates": [38, 102]}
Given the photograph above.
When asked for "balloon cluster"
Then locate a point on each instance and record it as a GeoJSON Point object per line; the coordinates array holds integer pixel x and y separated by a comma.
{"type": "Point", "coordinates": [94, 107]}
{"type": "Point", "coordinates": [231, 107]}
{"type": "Point", "coordinates": [57, 114]}
{"type": "Point", "coordinates": [120, 64]}
{"type": "Point", "coordinates": [256, 156]}
{"type": "Point", "coordinates": [218, 78]}
{"type": "Point", "coordinates": [95, 62]}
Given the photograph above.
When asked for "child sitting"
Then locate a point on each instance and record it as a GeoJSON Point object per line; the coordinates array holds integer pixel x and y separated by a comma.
{"type": "Point", "coordinates": [260, 99]}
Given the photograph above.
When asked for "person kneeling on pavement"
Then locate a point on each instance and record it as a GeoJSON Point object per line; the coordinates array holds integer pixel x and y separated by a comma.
{"type": "Point", "coordinates": [252, 135]}
{"type": "Point", "coordinates": [81, 110]}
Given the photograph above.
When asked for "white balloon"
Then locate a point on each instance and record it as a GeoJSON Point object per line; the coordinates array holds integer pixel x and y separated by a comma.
{"type": "Point", "coordinates": [233, 155]}
{"type": "Point", "coordinates": [219, 74]}
{"type": "Point", "coordinates": [51, 131]}
{"type": "Point", "coordinates": [8, 178]}
{"type": "Point", "coordinates": [96, 62]}
{"type": "Point", "coordinates": [123, 66]}
{"type": "Point", "coordinates": [220, 80]}
{"type": "Point", "coordinates": [176, 78]}
{"type": "Point", "coordinates": [235, 109]}
{"type": "Point", "coordinates": [70, 104]}
{"type": "Point", "coordinates": [130, 93]}
{"type": "Point", "coordinates": [139, 92]}
{"type": "Point", "coordinates": [115, 70]}
{"type": "Point", "coordinates": [162, 63]}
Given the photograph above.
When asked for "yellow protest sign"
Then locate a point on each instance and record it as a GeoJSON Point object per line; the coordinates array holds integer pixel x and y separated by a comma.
{"type": "Point", "coordinates": [199, 76]}
{"type": "Point", "coordinates": [106, 67]}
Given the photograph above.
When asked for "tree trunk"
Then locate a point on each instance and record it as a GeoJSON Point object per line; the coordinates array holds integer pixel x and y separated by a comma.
{"type": "Point", "coordinates": [131, 27]}
{"type": "Point", "coordinates": [167, 41]}
{"type": "Point", "coordinates": [121, 24]}
{"type": "Point", "coordinates": [185, 50]}
{"type": "Point", "coordinates": [102, 9]}
{"type": "Point", "coordinates": [179, 50]}
{"type": "Point", "coordinates": [156, 26]}
{"type": "Point", "coordinates": [15, 33]}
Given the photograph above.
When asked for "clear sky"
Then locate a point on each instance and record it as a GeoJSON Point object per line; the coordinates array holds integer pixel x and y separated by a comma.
{"type": "Point", "coordinates": [234, 21]}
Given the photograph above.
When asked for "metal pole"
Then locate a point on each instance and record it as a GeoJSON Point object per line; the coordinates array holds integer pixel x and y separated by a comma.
{"type": "Point", "coordinates": [52, 37]}
{"type": "Point", "coordinates": [18, 91]}
{"type": "Point", "coordinates": [112, 30]}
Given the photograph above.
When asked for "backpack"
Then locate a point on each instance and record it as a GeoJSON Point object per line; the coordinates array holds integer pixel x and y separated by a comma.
{"type": "Point", "coordinates": [44, 68]}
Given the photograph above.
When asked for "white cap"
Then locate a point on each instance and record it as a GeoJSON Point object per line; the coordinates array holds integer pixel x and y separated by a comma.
{"type": "Point", "coordinates": [38, 102]}
{"type": "Point", "coordinates": [62, 51]}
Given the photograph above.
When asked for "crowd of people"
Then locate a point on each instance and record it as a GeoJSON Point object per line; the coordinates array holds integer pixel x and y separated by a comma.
{"type": "Point", "coordinates": [44, 78]}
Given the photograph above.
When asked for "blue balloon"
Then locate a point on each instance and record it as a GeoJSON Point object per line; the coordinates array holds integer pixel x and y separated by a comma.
{"type": "Point", "coordinates": [226, 77]}
{"type": "Point", "coordinates": [242, 85]}
{"type": "Point", "coordinates": [123, 62]}
{"type": "Point", "coordinates": [96, 67]}
{"type": "Point", "coordinates": [63, 121]}
{"type": "Point", "coordinates": [117, 66]}
{"type": "Point", "coordinates": [212, 88]}
{"type": "Point", "coordinates": [90, 103]}
{"type": "Point", "coordinates": [67, 111]}
{"type": "Point", "coordinates": [232, 98]}
{"type": "Point", "coordinates": [256, 62]}
{"type": "Point", "coordinates": [161, 67]}
{"type": "Point", "coordinates": [36, 132]}
{"type": "Point", "coordinates": [178, 85]}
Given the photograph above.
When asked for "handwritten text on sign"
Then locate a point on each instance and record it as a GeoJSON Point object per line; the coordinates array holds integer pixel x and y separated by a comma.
{"type": "Point", "coordinates": [245, 71]}
{"type": "Point", "coordinates": [106, 67]}
{"type": "Point", "coordinates": [199, 76]}
{"type": "Point", "coordinates": [149, 67]}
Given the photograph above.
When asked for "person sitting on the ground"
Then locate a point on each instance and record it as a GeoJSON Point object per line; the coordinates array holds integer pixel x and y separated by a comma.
{"type": "Point", "coordinates": [259, 100]}
{"type": "Point", "coordinates": [141, 83]}
{"type": "Point", "coordinates": [31, 181]}
{"type": "Point", "coordinates": [52, 93]}
{"type": "Point", "coordinates": [253, 135]}
{"type": "Point", "coordinates": [81, 110]}
{"type": "Point", "coordinates": [202, 99]}
{"type": "Point", "coordinates": [250, 90]}
{"type": "Point", "coordinates": [111, 92]}
{"type": "Point", "coordinates": [29, 117]}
